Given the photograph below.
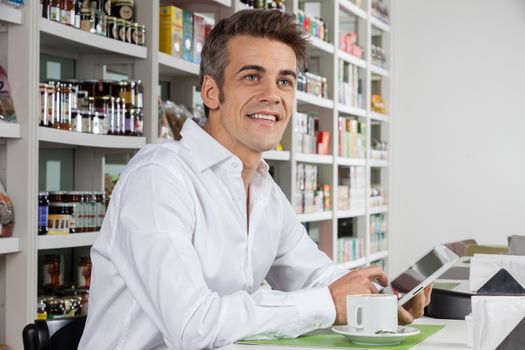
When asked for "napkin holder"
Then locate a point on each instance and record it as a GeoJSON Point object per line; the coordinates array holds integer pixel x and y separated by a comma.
{"type": "Point", "coordinates": [502, 283]}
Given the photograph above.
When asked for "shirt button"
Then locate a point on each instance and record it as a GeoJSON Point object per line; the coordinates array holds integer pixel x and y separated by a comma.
{"type": "Point", "coordinates": [234, 165]}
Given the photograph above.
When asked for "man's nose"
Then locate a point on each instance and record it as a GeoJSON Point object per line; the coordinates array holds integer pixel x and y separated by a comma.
{"type": "Point", "coordinates": [270, 93]}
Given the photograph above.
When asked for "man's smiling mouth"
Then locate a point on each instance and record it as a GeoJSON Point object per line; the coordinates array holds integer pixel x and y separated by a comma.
{"type": "Point", "coordinates": [269, 117]}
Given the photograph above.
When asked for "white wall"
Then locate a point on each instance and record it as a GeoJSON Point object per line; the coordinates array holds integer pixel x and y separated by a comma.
{"type": "Point", "coordinates": [458, 130]}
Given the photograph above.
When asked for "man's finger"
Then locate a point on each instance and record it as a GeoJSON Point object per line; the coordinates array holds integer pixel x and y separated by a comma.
{"type": "Point", "coordinates": [403, 316]}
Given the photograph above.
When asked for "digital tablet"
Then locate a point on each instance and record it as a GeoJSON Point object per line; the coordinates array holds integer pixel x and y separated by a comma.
{"type": "Point", "coordinates": [423, 272]}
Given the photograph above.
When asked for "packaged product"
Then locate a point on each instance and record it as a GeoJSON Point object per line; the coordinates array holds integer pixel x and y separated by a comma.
{"type": "Point", "coordinates": [7, 107]}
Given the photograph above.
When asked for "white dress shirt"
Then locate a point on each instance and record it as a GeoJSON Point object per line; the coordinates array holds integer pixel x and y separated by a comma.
{"type": "Point", "coordinates": [176, 266]}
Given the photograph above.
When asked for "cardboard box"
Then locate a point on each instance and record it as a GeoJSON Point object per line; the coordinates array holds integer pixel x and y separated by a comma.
{"type": "Point", "coordinates": [187, 35]}
{"type": "Point", "coordinates": [170, 34]}
{"type": "Point", "coordinates": [199, 31]}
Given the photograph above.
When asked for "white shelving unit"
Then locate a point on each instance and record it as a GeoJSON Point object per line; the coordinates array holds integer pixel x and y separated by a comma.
{"type": "Point", "coordinates": [351, 59]}
{"type": "Point", "coordinates": [177, 67]}
{"type": "Point", "coordinates": [346, 214]}
{"type": "Point", "coordinates": [57, 35]}
{"type": "Point", "coordinates": [304, 98]}
{"type": "Point", "coordinates": [71, 138]}
{"type": "Point", "coordinates": [66, 241]}
{"type": "Point", "coordinates": [379, 24]}
{"type": "Point", "coordinates": [314, 158]}
{"type": "Point", "coordinates": [277, 155]}
{"type": "Point", "coordinates": [312, 217]}
{"type": "Point", "coordinates": [354, 264]}
{"type": "Point", "coordinates": [378, 210]}
{"type": "Point", "coordinates": [9, 130]}
{"type": "Point", "coordinates": [379, 117]}
{"type": "Point", "coordinates": [10, 15]}
{"type": "Point", "coordinates": [350, 161]}
{"type": "Point", "coordinates": [29, 36]}
{"type": "Point", "coordinates": [9, 245]}
{"type": "Point", "coordinates": [359, 112]}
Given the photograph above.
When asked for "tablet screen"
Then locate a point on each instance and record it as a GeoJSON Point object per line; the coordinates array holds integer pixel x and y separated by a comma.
{"type": "Point", "coordinates": [416, 274]}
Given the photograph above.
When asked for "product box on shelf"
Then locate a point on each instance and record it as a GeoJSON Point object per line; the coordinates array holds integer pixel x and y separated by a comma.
{"type": "Point", "coordinates": [187, 35]}
{"type": "Point", "coordinates": [351, 189]}
{"type": "Point", "coordinates": [349, 249]}
{"type": "Point", "coordinates": [352, 138]}
{"type": "Point", "coordinates": [199, 31]}
{"type": "Point", "coordinates": [170, 34]}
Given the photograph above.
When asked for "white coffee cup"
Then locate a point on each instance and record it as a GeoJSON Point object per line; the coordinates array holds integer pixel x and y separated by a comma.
{"type": "Point", "coordinates": [369, 313]}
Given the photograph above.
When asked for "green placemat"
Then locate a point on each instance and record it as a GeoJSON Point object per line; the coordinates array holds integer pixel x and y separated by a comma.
{"type": "Point", "coordinates": [446, 285]}
{"type": "Point", "coordinates": [327, 339]}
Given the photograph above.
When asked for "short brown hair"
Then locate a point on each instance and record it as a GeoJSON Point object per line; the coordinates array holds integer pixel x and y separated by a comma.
{"type": "Point", "coordinates": [271, 24]}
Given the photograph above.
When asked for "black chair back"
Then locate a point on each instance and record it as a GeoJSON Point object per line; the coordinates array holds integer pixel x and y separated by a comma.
{"type": "Point", "coordinates": [57, 334]}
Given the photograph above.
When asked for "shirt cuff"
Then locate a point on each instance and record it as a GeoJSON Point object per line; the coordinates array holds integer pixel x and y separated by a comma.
{"type": "Point", "coordinates": [316, 305]}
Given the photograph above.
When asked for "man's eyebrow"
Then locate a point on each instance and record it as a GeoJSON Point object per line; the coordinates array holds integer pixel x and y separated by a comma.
{"type": "Point", "coordinates": [288, 72]}
{"type": "Point", "coordinates": [252, 67]}
{"type": "Point", "coordinates": [261, 69]}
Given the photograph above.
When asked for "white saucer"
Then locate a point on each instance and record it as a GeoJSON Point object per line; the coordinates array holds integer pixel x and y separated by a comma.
{"type": "Point", "coordinates": [358, 337]}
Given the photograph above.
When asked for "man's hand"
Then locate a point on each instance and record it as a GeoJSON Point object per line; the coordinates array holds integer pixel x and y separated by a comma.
{"type": "Point", "coordinates": [414, 307]}
{"type": "Point", "coordinates": [354, 282]}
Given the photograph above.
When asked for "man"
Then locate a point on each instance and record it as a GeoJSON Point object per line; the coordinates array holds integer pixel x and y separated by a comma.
{"type": "Point", "coordinates": [195, 226]}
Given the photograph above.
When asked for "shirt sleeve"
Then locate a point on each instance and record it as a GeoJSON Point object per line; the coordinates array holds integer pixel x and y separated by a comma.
{"type": "Point", "coordinates": [153, 252]}
{"type": "Point", "coordinates": [300, 263]}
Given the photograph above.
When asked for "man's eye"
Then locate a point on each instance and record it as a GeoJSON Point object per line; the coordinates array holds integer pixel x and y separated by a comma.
{"type": "Point", "coordinates": [285, 82]}
{"type": "Point", "coordinates": [251, 77]}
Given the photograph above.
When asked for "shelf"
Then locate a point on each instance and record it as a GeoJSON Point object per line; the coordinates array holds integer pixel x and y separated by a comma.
{"type": "Point", "coordinates": [321, 45]}
{"type": "Point", "coordinates": [378, 163]}
{"type": "Point", "coordinates": [63, 37]}
{"type": "Point", "coordinates": [72, 138]}
{"type": "Point", "coordinates": [359, 112]}
{"type": "Point", "coordinates": [304, 98]}
{"type": "Point", "coordinates": [377, 210]}
{"type": "Point", "coordinates": [314, 158]}
{"type": "Point", "coordinates": [351, 59]}
{"type": "Point", "coordinates": [350, 161]}
{"type": "Point", "coordinates": [379, 117]}
{"type": "Point", "coordinates": [379, 255]}
{"type": "Point", "coordinates": [276, 155]}
{"type": "Point", "coordinates": [353, 264]}
{"type": "Point", "coordinates": [379, 24]}
{"type": "Point", "coordinates": [10, 14]}
{"type": "Point", "coordinates": [379, 71]}
{"type": "Point", "coordinates": [311, 217]}
{"type": "Point", "coordinates": [66, 241]}
{"type": "Point", "coordinates": [10, 130]}
{"type": "Point", "coordinates": [176, 67]}
{"type": "Point", "coordinates": [349, 6]}
{"type": "Point", "coordinates": [9, 244]}
{"type": "Point", "coordinates": [346, 214]}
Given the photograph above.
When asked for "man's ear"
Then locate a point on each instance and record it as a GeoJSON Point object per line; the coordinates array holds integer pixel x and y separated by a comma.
{"type": "Point", "coordinates": [210, 93]}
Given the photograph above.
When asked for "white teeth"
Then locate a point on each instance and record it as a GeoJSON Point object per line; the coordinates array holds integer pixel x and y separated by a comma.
{"type": "Point", "coordinates": [263, 116]}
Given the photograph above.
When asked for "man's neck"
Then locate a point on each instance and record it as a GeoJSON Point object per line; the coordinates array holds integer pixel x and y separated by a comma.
{"type": "Point", "coordinates": [250, 159]}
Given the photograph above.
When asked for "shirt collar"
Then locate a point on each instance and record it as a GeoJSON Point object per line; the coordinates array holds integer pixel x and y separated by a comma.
{"type": "Point", "coordinates": [207, 152]}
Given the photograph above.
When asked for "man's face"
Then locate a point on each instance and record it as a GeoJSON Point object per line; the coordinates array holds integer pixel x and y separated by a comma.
{"type": "Point", "coordinates": [259, 90]}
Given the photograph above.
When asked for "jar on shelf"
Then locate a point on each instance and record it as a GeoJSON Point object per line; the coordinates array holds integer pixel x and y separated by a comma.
{"type": "Point", "coordinates": [100, 208]}
{"type": "Point", "coordinates": [52, 272]}
{"type": "Point", "coordinates": [141, 35]}
{"type": "Point", "coordinates": [57, 196]}
{"type": "Point", "coordinates": [55, 309]}
{"type": "Point", "coordinates": [41, 313]}
{"type": "Point", "coordinates": [54, 10]}
{"type": "Point", "coordinates": [122, 27]}
{"type": "Point", "coordinates": [84, 272]}
{"type": "Point", "coordinates": [87, 23]}
{"type": "Point", "coordinates": [138, 128]}
{"type": "Point", "coordinates": [61, 220]}
{"type": "Point", "coordinates": [43, 212]}
{"type": "Point", "coordinates": [138, 91]}
{"type": "Point", "coordinates": [134, 33]}
{"type": "Point", "coordinates": [86, 121]}
{"type": "Point", "coordinates": [67, 12]}
{"type": "Point", "coordinates": [110, 117]}
{"type": "Point", "coordinates": [95, 123]}
{"type": "Point", "coordinates": [129, 123]}
{"type": "Point", "coordinates": [72, 305]}
{"type": "Point", "coordinates": [74, 199]}
{"type": "Point", "coordinates": [76, 120]}
{"type": "Point", "coordinates": [46, 94]}
{"type": "Point", "coordinates": [124, 9]}
{"type": "Point", "coordinates": [111, 27]}
{"type": "Point", "coordinates": [129, 32]}
{"type": "Point", "coordinates": [65, 116]}
{"type": "Point", "coordinates": [84, 299]}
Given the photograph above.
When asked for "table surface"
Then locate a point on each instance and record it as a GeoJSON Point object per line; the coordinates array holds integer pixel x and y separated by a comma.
{"type": "Point", "coordinates": [451, 337]}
